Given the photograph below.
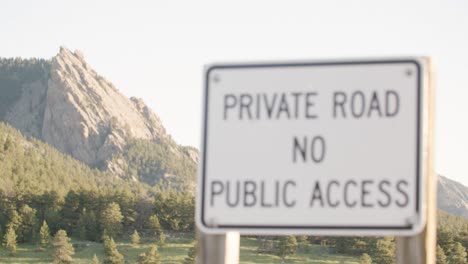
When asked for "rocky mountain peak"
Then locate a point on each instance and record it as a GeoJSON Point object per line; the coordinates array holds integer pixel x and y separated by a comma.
{"type": "Point", "coordinates": [87, 116]}
{"type": "Point", "coordinates": [80, 113]}
{"type": "Point", "coordinates": [452, 197]}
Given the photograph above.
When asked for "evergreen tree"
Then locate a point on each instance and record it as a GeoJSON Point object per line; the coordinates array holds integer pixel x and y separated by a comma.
{"type": "Point", "coordinates": [95, 260]}
{"type": "Point", "coordinates": [135, 238]}
{"type": "Point", "coordinates": [71, 212]}
{"type": "Point", "coordinates": [361, 245]}
{"type": "Point", "coordinates": [344, 245]}
{"type": "Point", "coordinates": [365, 259]}
{"type": "Point", "coordinates": [458, 254]}
{"type": "Point", "coordinates": [29, 224]}
{"type": "Point", "coordinates": [384, 251]}
{"type": "Point", "coordinates": [14, 219]}
{"type": "Point", "coordinates": [154, 225]}
{"type": "Point", "coordinates": [463, 237]}
{"type": "Point", "coordinates": [440, 254]}
{"type": "Point", "coordinates": [105, 239]}
{"type": "Point", "coordinates": [111, 219]}
{"type": "Point", "coordinates": [44, 235]}
{"type": "Point", "coordinates": [162, 239]}
{"type": "Point", "coordinates": [446, 238]}
{"type": "Point", "coordinates": [287, 245]}
{"type": "Point", "coordinates": [175, 210]}
{"type": "Point", "coordinates": [150, 257]}
{"type": "Point", "coordinates": [82, 234]}
{"type": "Point", "coordinates": [113, 256]}
{"type": "Point", "coordinates": [9, 143]}
{"type": "Point", "coordinates": [9, 240]}
{"type": "Point", "coordinates": [63, 250]}
{"type": "Point", "coordinates": [91, 225]}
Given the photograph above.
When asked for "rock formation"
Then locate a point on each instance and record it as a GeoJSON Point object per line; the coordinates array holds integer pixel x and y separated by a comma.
{"type": "Point", "coordinates": [452, 197]}
{"type": "Point", "coordinates": [82, 114]}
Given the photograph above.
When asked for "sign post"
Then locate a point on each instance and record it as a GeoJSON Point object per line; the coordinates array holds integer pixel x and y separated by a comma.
{"type": "Point", "coordinates": [319, 148]}
{"type": "Point", "coordinates": [219, 248]}
{"type": "Point", "coordinates": [421, 248]}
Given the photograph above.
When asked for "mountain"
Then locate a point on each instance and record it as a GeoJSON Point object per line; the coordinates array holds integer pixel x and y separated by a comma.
{"type": "Point", "coordinates": [66, 104]}
{"type": "Point", "coordinates": [452, 197]}
{"type": "Point", "coordinates": [30, 166]}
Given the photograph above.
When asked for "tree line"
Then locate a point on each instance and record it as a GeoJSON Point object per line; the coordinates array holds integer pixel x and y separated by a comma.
{"type": "Point", "coordinates": [88, 214]}
{"type": "Point", "coordinates": [93, 216]}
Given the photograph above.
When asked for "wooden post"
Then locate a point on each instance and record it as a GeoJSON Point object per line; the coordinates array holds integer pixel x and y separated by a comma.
{"type": "Point", "coordinates": [218, 249]}
{"type": "Point", "coordinates": [421, 249]}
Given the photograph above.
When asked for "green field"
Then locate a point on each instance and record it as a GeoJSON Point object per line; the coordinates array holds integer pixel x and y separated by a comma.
{"type": "Point", "coordinates": [174, 252]}
{"type": "Point", "coordinates": [316, 254]}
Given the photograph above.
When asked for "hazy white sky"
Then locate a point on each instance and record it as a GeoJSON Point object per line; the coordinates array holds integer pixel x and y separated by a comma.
{"type": "Point", "coordinates": [156, 49]}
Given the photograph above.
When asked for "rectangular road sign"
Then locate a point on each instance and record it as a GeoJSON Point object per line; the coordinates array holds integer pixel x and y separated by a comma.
{"type": "Point", "coordinates": [327, 148]}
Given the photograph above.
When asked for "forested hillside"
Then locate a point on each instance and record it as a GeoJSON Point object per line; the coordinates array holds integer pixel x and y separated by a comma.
{"type": "Point", "coordinates": [31, 166]}
{"type": "Point", "coordinates": [68, 105]}
{"type": "Point", "coordinates": [155, 163]}
{"type": "Point", "coordinates": [38, 183]}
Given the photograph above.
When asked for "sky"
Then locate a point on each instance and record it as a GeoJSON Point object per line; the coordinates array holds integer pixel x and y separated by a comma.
{"type": "Point", "coordinates": [156, 50]}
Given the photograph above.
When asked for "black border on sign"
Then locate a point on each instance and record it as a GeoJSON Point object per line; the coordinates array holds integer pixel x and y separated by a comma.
{"type": "Point", "coordinates": [312, 64]}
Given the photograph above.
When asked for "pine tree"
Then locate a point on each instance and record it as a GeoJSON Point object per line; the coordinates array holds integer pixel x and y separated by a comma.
{"type": "Point", "coordinates": [440, 254]}
{"type": "Point", "coordinates": [446, 238]}
{"type": "Point", "coordinates": [87, 226]}
{"type": "Point", "coordinates": [463, 236]}
{"type": "Point", "coordinates": [111, 219]}
{"type": "Point", "coordinates": [14, 220]}
{"type": "Point", "coordinates": [105, 238]}
{"type": "Point", "coordinates": [82, 227]}
{"type": "Point", "coordinates": [384, 251]}
{"type": "Point", "coordinates": [44, 235]}
{"type": "Point", "coordinates": [162, 239]}
{"type": "Point", "coordinates": [29, 224]}
{"type": "Point", "coordinates": [287, 246]}
{"type": "Point", "coordinates": [9, 143]}
{"type": "Point", "coordinates": [154, 225]}
{"type": "Point", "coordinates": [9, 240]}
{"type": "Point", "coordinates": [150, 257]}
{"type": "Point", "coordinates": [365, 259]}
{"type": "Point", "coordinates": [135, 238]}
{"type": "Point", "coordinates": [344, 245]}
{"type": "Point", "coordinates": [95, 260]}
{"type": "Point", "coordinates": [63, 250]}
{"type": "Point", "coordinates": [458, 254]}
{"type": "Point", "coordinates": [113, 256]}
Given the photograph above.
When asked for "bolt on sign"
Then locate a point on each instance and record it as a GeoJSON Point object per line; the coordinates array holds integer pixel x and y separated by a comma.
{"type": "Point", "coordinates": [328, 148]}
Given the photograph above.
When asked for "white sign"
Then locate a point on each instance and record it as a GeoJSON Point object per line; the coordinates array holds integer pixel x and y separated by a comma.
{"type": "Point", "coordinates": [330, 148]}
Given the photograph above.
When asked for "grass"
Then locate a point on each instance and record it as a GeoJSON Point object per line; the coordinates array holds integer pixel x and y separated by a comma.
{"type": "Point", "coordinates": [315, 255]}
{"type": "Point", "coordinates": [175, 251]}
